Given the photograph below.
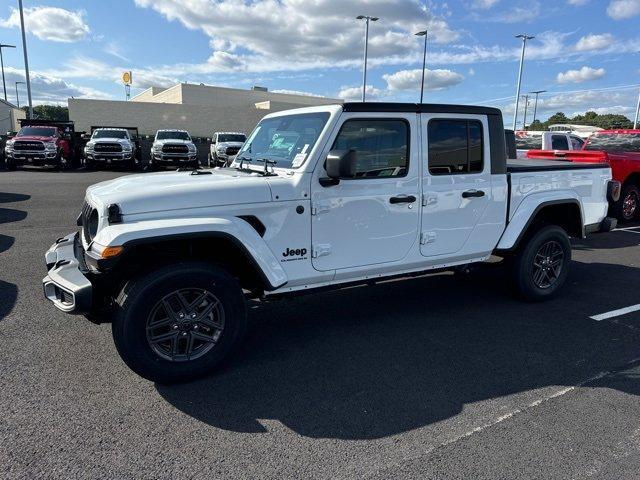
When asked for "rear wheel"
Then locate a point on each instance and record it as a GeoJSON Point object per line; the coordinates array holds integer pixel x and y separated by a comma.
{"type": "Point", "coordinates": [541, 265]}
{"type": "Point", "coordinates": [179, 322]}
{"type": "Point", "coordinates": [628, 207]}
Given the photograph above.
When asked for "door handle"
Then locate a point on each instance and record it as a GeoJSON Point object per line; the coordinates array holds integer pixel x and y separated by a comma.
{"type": "Point", "coordinates": [472, 194]}
{"type": "Point", "coordinates": [402, 199]}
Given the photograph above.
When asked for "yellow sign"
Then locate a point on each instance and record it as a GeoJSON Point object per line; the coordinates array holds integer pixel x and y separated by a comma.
{"type": "Point", "coordinates": [126, 78]}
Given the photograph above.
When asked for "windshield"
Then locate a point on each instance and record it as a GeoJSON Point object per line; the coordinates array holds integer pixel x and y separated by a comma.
{"type": "Point", "coordinates": [37, 132]}
{"type": "Point", "coordinates": [231, 138]}
{"type": "Point", "coordinates": [110, 134]}
{"type": "Point", "coordinates": [615, 142]}
{"type": "Point", "coordinates": [288, 140]}
{"type": "Point", "coordinates": [529, 142]}
{"type": "Point", "coordinates": [173, 136]}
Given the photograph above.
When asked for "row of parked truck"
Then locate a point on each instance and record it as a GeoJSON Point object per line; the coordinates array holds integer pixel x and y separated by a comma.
{"type": "Point", "coordinates": [57, 144]}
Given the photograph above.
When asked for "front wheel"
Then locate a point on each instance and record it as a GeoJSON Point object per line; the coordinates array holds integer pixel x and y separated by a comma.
{"type": "Point", "coordinates": [541, 265]}
{"type": "Point", "coordinates": [178, 322]}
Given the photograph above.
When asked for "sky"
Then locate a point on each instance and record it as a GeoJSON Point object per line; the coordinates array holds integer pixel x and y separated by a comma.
{"type": "Point", "coordinates": [585, 54]}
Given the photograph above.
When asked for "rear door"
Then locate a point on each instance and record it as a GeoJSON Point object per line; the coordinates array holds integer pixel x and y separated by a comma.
{"type": "Point", "coordinates": [372, 218]}
{"type": "Point", "coordinates": [457, 183]}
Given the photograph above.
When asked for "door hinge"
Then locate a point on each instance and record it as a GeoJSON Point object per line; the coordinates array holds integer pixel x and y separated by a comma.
{"type": "Point", "coordinates": [319, 208]}
{"type": "Point", "coordinates": [427, 237]}
{"type": "Point", "coordinates": [320, 250]}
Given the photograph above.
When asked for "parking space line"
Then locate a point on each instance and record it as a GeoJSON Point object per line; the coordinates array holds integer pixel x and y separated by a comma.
{"type": "Point", "coordinates": [627, 229]}
{"type": "Point", "coordinates": [616, 313]}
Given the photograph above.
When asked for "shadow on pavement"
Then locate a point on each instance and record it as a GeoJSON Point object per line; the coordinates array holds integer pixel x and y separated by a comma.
{"type": "Point", "coordinates": [13, 197]}
{"type": "Point", "coordinates": [376, 361]}
{"type": "Point", "coordinates": [8, 296]}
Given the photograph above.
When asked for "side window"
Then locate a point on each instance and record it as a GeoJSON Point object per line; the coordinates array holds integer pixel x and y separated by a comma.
{"type": "Point", "coordinates": [455, 147]}
{"type": "Point", "coordinates": [382, 146]}
{"type": "Point", "coordinates": [559, 142]}
{"type": "Point", "coordinates": [576, 143]}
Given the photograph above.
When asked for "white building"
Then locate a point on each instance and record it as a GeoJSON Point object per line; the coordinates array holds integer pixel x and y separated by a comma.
{"type": "Point", "coordinates": [200, 109]}
{"type": "Point", "coordinates": [9, 116]}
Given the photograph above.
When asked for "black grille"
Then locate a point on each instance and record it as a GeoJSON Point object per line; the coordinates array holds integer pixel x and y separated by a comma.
{"type": "Point", "coordinates": [27, 145]}
{"type": "Point", "coordinates": [173, 148]}
{"type": "Point", "coordinates": [107, 147]}
{"type": "Point", "coordinates": [89, 221]}
{"type": "Point", "coordinates": [232, 150]}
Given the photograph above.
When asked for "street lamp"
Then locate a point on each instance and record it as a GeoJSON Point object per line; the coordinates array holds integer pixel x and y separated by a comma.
{"type": "Point", "coordinates": [635, 122]}
{"type": "Point", "coordinates": [26, 59]}
{"type": "Point", "coordinates": [424, 34]}
{"type": "Point", "coordinates": [524, 39]}
{"type": "Point", "coordinates": [17, 96]}
{"type": "Point", "coordinates": [535, 105]}
{"type": "Point", "coordinates": [367, 19]}
{"type": "Point", "coordinates": [526, 104]}
{"type": "Point", "coordinates": [4, 86]}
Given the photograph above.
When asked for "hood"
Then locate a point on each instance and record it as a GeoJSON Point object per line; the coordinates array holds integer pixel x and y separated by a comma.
{"type": "Point", "coordinates": [173, 140]}
{"type": "Point", "coordinates": [154, 192]}
{"type": "Point", "coordinates": [229, 144]}
{"type": "Point", "coordinates": [30, 138]}
{"type": "Point", "coordinates": [109, 140]}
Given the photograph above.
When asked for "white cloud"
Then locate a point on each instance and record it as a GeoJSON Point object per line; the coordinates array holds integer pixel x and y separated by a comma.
{"type": "Point", "coordinates": [484, 4]}
{"type": "Point", "coordinates": [585, 74]}
{"type": "Point", "coordinates": [524, 13]}
{"type": "Point", "coordinates": [298, 34]}
{"type": "Point", "coordinates": [410, 79]}
{"type": "Point", "coordinates": [621, 9]}
{"type": "Point", "coordinates": [50, 23]}
{"type": "Point", "coordinates": [351, 94]}
{"type": "Point", "coordinates": [594, 42]}
{"type": "Point", "coordinates": [47, 88]}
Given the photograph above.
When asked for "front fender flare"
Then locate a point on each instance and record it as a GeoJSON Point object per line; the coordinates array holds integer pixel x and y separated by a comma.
{"type": "Point", "coordinates": [527, 211]}
{"type": "Point", "coordinates": [234, 229]}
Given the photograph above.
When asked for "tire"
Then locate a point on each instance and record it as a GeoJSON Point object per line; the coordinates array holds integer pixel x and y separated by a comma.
{"type": "Point", "coordinates": [10, 164]}
{"type": "Point", "coordinates": [533, 266]}
{"type": "Point", "coordinates": [141, 301]}
{"type": "Point", "coordinates": [627, 208]}
{"type": "Point", "coordinates": [209, 161]}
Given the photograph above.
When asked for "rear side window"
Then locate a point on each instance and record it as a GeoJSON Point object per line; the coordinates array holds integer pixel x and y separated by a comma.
{"type": "Point", "coordinates": [382, 146]}
{"type": "Point", "coordinates": [455, 147]}
{"type": "Point", "coordinates": [559, 142]}
{"type": "Point", "coordinates": [529, 142]}
{"type": "Point", "coordinates": [576, 143]}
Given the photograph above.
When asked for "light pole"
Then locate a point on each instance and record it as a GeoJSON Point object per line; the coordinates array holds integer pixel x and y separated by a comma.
{"type": "Point", "coordinates": [18, 96]}
{"type": "Point", "coordinates": [367, 19]}
{"type": "Point", "coordinates": [26, 59]}
{"type": "Point", "coordinates": [526, 104]}
{"type": "Point", "coordinates": [4, 85]}
{"type": "Point", "coordinates": [524, 45]}
{"type": "Point", "coordinates": [635, 122]}
{"type": "Point", "coordinates": [535, 105]}
{"type": "Point", "coordinates": [424, 34]}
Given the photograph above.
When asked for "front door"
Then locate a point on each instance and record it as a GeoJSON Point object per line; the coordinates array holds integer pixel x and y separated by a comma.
{"type": "Point", "coordinates": [372, 218]}
{"type": "Point", "coordinates": [456, 184]}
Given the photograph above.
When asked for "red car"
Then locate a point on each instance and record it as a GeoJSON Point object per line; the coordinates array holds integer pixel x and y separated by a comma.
{"type": "Point", "coordinates": [39, 145]}
{"type": "Point", "coordinates": [621, 150]}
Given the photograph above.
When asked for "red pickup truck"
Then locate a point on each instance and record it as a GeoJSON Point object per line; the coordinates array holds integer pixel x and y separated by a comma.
{"type": "Point", "coordinates": [621, 150]}
{"type": "Point", "coordinates": [40, 143]}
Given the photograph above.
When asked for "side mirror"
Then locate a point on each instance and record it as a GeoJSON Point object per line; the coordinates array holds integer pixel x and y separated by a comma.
{"type": "Point", "coordinates": [341, 164]}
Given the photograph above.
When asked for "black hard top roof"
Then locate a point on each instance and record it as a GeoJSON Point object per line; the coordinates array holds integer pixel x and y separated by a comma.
{"type": "Point", "coordinates": [418, 108]}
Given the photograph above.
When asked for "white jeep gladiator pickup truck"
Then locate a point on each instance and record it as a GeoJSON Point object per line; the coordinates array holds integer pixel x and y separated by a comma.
{"type": "Point", "coordinates": [321, 197]}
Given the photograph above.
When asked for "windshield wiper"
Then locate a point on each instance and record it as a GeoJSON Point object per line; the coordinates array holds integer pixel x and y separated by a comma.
{"type": "Point", "coordinates": [242, 160]}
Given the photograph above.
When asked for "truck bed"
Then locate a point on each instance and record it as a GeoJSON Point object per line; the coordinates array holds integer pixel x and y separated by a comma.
{"type": "Point", "coordinates": [526, 165]}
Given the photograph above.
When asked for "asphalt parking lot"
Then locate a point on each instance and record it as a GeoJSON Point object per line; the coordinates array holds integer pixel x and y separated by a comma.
{"type": "Point", "coordinates": [435, 377]}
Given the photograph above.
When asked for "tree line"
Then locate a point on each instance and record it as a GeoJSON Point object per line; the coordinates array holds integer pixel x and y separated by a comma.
{"type": "Point", "coordinates": [606, 121]}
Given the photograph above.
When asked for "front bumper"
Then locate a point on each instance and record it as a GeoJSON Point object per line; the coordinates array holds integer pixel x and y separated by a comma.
{"type": "Point", "coordinates": [109, 158]}
{"type": "Point", "coordinates": [173, 158]}
{"type": "Point", "coordinates": [36, 158]}
{"type": "Point", "coordinates": [66, 285]}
